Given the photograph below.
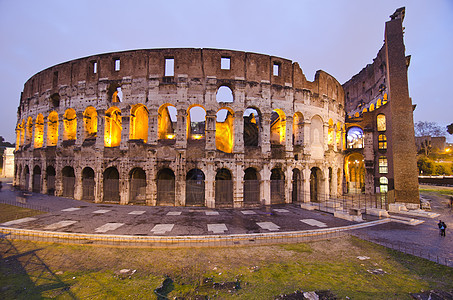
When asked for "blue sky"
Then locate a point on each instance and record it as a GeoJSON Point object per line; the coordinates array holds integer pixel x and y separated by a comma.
{"type": "Point", "coordinates": [339, 37]}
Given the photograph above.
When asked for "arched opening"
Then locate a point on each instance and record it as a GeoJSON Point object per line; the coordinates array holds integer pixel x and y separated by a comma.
{"type": "Point", "coordinates": [39, 131]}
{"type": "Point", "coordinates": [298, 129]}
{"type": "Point", "coordinates": [355, 173]}
{"type": "Point", "coordinates": [166, 187]}
{"type": "Point", "coordinates": [331, 190]}
{"type": "Point", "coordinates": [22, 133]}
{"type": "Point", "coordinates": [315, 185]}
{"type": "Point", "coordinates": [277, 186]}
{"type": "Point", "coordinates": [52, 129]}
{"type": "Point", "coordinates": [18, 131]}
{"type": "Point", "coordinates": [196, 123]}
{"type": "Point", "coordinates": [36, 179]}
{"type": "Point", "coordinates": [278, 127]}
{"type": "Point", "coordinates": [167, 118]}
{"type": "Point", "coordinates": [50, 177]}
{"type": "Point", "coordinates": [88, 184]}
{"type": "Point", "coordinates": [296, 195]}
{"type": "Point", "coordinates": [252, 123]}
{"type": "Point", "coordinates": [224, 130]}
{"type": "Point", "coordinates": [68, 178]}
{"type": "Point", "coordinates": [137, 186]}
{"type": "Point", "coordinates": [70, 125]}
{"type": "Point", "coordinates": [251, 187]}
{"type": "Point", "coordinates": [139, 123]}
{"type": "Point", "coordinates": [223, 188]}
{"type": "Point", "coordinates": [195, 188]}
{"type": "Point", "coordinates": [330, 133]}
{"type": "Point", "coordinates": [90, 122]}
{"type": "Point", "coordinates": [224, 94]}
{"type": "Point", "coordinates": [29, 130]}
{"type": "Point", "coordinates": [111, 185]}
{"type": "Point", "coordinates": [317, 137]}
{"type": "Point", "coordinates": [112, 127]}
{"type": "Point", "coordinates": [381, 122]}
{"type": "Point", "coordinates": [355, 138]}
{"type": "Point", "coordinates": [26, 183]}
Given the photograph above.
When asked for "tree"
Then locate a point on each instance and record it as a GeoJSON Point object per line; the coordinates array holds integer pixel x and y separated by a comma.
{"type": "Point", "coordinates": [450, 128]}
{"type": "Point", "coordinates": [425, 128]}
{"type": "Point", "coordinates": [4, 143]}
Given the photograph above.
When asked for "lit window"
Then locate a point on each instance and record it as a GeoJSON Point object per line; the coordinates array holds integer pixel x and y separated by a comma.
{"type": "Point", "coordinates": [382, 142]}
{"type": "Point", "coordinates": [117, 64]}
{"type": "Point", "coordinates": [225, 63]}
{"type": "Point", "coordinates": [383, 168]}
{"type": "Point", "coordinates": [380, 120]}
{"type": "Point", "coordinates": [383, 188]}
{"type": "Point", "coordinates": [169, 67]}
{"type": "Point", "coordinates": [276, 69]}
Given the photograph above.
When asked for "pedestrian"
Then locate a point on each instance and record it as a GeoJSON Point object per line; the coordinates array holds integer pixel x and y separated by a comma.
{"type": "Point", "coordinates": [451, 202]}
{"type": "Point", "coordinates": [440, 225]}
{"type": "Point", "coordinates": [443, 226]}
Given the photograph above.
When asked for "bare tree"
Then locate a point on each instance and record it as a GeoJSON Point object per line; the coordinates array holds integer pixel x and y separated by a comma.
{"type": "Point", "coordinates": [450, 128]}
{"type": "Point", "coordinates": [425, 128]}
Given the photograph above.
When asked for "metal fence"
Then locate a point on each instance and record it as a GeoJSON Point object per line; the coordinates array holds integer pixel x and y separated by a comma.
{"type": "Point", "coordinates": [68, 186]}
{"type": "Point", "coordinates": [165, 192]}
{"type": "Point", "coordinates": [137, 192]}
{"type": "Point", "coordinates": [224, 193]}
{"type": "Point", "coordinates": [88, 185]}
{"type": "Point", "coordinates": [195, 193]}
{"type": "Point", "coordinates": [22, 201]}
{"type": "Point", "coordinates": [37, 183]}
{"type": "Point", "coordinates": [111, 190]}
{"type": "Point", "coordinates": [251, 192]}
{"type": "Point", "coordinates": [277, 191]}
{"type": "Point", "coordinates": [348, 202]}
{"type": "Point", "coordinates": [50, 185]}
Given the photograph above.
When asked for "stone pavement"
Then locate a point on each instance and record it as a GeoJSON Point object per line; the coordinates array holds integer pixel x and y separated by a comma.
{"type": "Point", "coordinates": [73, 216]}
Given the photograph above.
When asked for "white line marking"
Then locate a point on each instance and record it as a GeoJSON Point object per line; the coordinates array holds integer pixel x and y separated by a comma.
{"type": "Point", "coordinates": [162, 228]}
{"type": "Point", "coordinates": [108, 227]}
{"type": "Point", "coordinates": [174, 213]}
{"type": "Point", "coordinates": [217, 228]}
{"type": "Point", "coordinates": [60, 224]}
{"type": "Point", "coordinates": [101, 211]}
{"type": "Point", "coordinates": [313, 222]}
{"type": "Point", "coordinates": [212, 213]}
{"type": "Point", "coordinates": [248, 212]}
{"type": "Point", "coordinates": [268, 225]}
{"type": "Point", "coordinates": [137, 212]}
{"type": "Point", "coordinates": [281, 210]}
{"type": "Point", "coordinates": [71, 209]}
{"type": "Point", "coordinates": [18, 221]}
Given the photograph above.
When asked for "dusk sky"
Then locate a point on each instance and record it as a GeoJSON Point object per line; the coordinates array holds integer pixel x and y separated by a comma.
{"type": "Point", "coordinates": [339, 37]}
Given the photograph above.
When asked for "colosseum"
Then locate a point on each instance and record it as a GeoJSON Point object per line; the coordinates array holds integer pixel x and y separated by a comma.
{"type": "Point", "coordinates": [216, 128]}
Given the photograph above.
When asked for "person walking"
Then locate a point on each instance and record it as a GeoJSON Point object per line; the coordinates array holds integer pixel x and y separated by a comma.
{"type": "Point", "coordinates": [443, 227]}
{"type": "Point", "coordinates": [440, 227]}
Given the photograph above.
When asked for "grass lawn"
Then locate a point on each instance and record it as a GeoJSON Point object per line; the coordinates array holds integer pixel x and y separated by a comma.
{"type": "Point", "coordinates": [11, 212]}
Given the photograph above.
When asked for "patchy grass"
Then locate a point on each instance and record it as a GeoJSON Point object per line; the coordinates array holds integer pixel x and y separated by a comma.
{"type": "Point", "coordinates": [73, 271]}
{"type": "Point", "coordinates": [11, 212]}
{"type": "Point", "coordinates": [442, 190]}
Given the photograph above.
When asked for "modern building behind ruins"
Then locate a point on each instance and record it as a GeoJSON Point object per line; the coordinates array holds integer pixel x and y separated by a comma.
{"type": "Point", "coordinates": [217, 128]}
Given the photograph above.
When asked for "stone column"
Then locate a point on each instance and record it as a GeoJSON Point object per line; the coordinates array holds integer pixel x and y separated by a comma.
{"type": "Point", "coordinates": [125, 124]}
{"type": "Point", "coordinates": [238, 130]}
{"type": "Point", "coordinates": [266, 179]}
{"type": "Point", "coordinates": [307, 136]}
{"type": "Point", "coordinates": [80, 130]}
{"type": "Point", "coordinates": [180, 180]}
{"type": "Point", "coordinates": [326, 136]}
{"type": "Point", "coordinates": [238, 195]}
{"type": "Point", "coordinates": [181, 129]}
{"type": "Point", "coordinates": [210, 129]}
{"type": "Point", "coordinates": [209, 185]}
{"type": "Point", "coordinates": [289, 134]}
{"type": "Point", "coordinates": [152, 126]}
{"type": "Point", "coordinates": [306, 184]}
{"type": "Point", "coordinates": [334, 140]}
{"type": "Point", "coordinates": [100, 130]}
{"type": "Point", "coordinates": [98, 184]}
{"type": "Point", "coordinates": [266, 133]}
{"type": "Point", "coordinates": [78, 189]}
{"type": "Point", "coordinates": [44, 132]}
{"type": "Point", "coordinates": [288, 185]}
{"type": "Point", "coordinates": [60, 131]}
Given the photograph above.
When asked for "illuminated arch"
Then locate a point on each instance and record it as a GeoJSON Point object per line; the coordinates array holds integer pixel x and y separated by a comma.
{"type": "Point", "coordinates": [278, 127]}
{"type": "Point", "coordinates": [338, 136]}
{"type": "Point", "coordinates": [372, 107]}
{"type": "Point", "coordinates": [355, 173]}
{"type": "Point", "coordinates": [330, 133]}
{"type": "Point", "coordinates": [52, 129]}
{"type": "Point", "coordinates": [224, 130]}
{"type": "Point", "coordinates": [252, 121]}
{"type": "Point", "coordinates": [196, 122]}
{"type": "Point", "coordinates": [195, 188]}
{"type": "Point", "coordinates": [355, 138]}
{"type": "Point", "coordinates": [298, 129]}
{"type": "Point", "coordinates": [223, 188]}
{"type": "Point", "coordinates": [224, 94]}
{"type": "Point", "coordinates": [379, 103]}
{"type": "Point", "coordinates": [113, 127]}
{"type": "Point", "coordinates": [166, 118]}
{"type": "Point", "coordinates": [29, 130]}
{"type": "Point", "coordinates": [139, 123]}
{"type": "Point", "coordinates": [90, 122]}
{"type": "Point", "coordinates": [39, 131]}
{"type": "Point", "coordinates": [70, 125]}
{"type": "Point", "coordinates": [166, 187]}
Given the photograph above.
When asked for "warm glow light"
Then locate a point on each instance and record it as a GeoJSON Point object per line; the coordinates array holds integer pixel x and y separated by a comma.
{"type": "Point", "coordinates": [197, 136]}
{"type": "Point", "coordinates": [170, 136]}
{"type": "Point", "coordinates": [447, 150]}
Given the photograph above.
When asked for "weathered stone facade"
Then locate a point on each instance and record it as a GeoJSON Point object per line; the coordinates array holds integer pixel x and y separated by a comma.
{"type": "Point", "coordinates": [204, 127]}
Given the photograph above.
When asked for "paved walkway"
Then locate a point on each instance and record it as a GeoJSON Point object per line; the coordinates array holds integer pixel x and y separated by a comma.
{"type": "Point", "coordinates": [73, 216]}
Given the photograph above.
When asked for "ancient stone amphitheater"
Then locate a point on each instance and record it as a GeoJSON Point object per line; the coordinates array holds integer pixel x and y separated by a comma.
{"type": "Point", "coordinates": [183, 127]}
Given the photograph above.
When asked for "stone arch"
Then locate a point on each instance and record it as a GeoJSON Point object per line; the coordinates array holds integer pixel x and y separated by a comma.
{"type": "Point", "coordinates": [88, 184]}
{"type": "Point", "coordinates": [29, 130]}
{"type": "Point", "coordinates": [277, 186]}
{"type": "Point", "coordinates": [139, 123]}
{"type": "Point", "coordinates": [195, 188]}
{"type": "Point", "coordinates": [223, 188]}
{"type": "Point", "coordinates": [316, 188]}
{"type": "Point", "coordinates": [252, 125]}
{"type": "Point", "coordinates": [39, 131]}
{"type": "Point", "coordinates": [224, 130]}
{"type": "Point", "coordinates": [26, 183]}
{"type": "Point", "coordinates": [330, 176]}
{"type": "Point", "coordinates": [317, 137]}
{"type": "Point", "coordinates": [137, 186]}
{"type": "Point", "coordinates": [36, 185]}
{"type": "Point", "coordinates": [112, 127]}
{"type": "Point", "coordinates": [355, 173]}
{"type": "Point", "coordinates": [68, 180]}
{"type": "Point", "coordinates": [278, 127]}
{"type": "Point", "coordinates": [298, 129]}
{"type": "Point", "coordinates": [50, 177]}
{"type": "Point", "coordinates": [111, 185]}
{"type": "Point", "coordinates": [224, 94]}
{"type": "Point", "coordinates": [251, 187]}
{"type": "Point", "coordinates": [90, 122]}
{"type": "Point", "coordinates": [52, 129]}
{"type": "Point", "coordinates": [354, 138]}
{"type": "Point", "coordinates": [166, 187]}
{"type": "Point", "coordinates": [70, 125]}
{"type": "Point", "coordinates": [296, 195]}
{"type": "Point", "coordinates": [196, 122]}
{"type": "Point", "coordinates": [166, 119]}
